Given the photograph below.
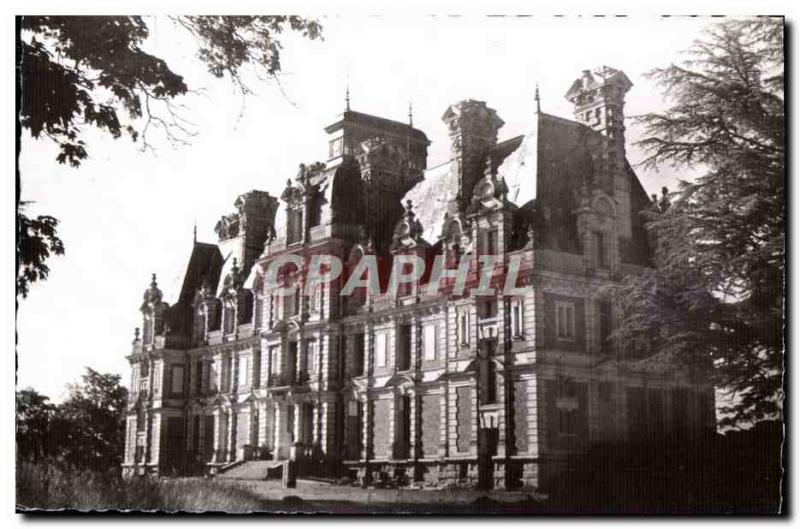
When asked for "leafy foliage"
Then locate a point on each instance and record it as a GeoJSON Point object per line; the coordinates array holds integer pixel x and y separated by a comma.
{"type": "Point", "coordinates": [75, 73]}
{"type": "Point", "coordinates": [87, 430]}
{"type": "Point", "coordinates": [715, 296]}
{"type": "Point", "coordinates": [37, 240]}
{"type": "Point", "coordinates": [34, 416]}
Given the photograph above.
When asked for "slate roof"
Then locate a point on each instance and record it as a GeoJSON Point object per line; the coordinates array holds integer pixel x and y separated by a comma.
{"type": "Point", "coordinates": [204, 264]}
{"type": "Point", "coordinates": [545, 164]}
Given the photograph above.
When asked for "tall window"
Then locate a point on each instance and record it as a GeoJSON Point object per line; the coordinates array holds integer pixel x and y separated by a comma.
{"type": "Point", "coordinates": [429, 342]}
{"type": "Point", "coordinates": [488, 380]}
{"type": "Point", "coordinates": [176, 383]}
{"type": "Point", "coordinates": [228, 319]}
{"type": "Point", "coordinates": [403, 361]}
{"type": "Point", "coordinates": [291, 302]}
{"type": "Point", "coordinates": [517, 330]}
{"type": "Point", "coordinates": [198, 377]}
{"type": "Point", "coordinates": [488, 241]}
{"type": "Point", "coordinates": [567, 407]}
{"type": "Point", "coordinates": [463, 327]}
{"type": "Point", "coordinates": [311, 356]}
{"type": "Point", "coordinates": [274, 355]}
{"type": "Point", "coordinates": [380, 350]}
{"type": "Point", "coordinates": [291, 362]}
{"type": "Point", "coordinates": [565, 320]}
{"type": "Point", "coordinates": [294, 225]}
{"type": "Point", "coordinates": [358, 354]}
{"type": "Point", "coordinates": [244, 371]}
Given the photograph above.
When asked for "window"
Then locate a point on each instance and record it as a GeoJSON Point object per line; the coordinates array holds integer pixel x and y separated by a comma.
{"type": "Point", "coordinates": [228, 318]}
{"type": "Point", "coordinates": [311, 354]}
{"type": "Point", "coordinates": [567, 407]}
{"type": "Point", "coordinates": [489, 239]}
{"type": "Point", "coordinates": [600, 258]}
{"type": "Point", "coordinates": [176, 383]}
{"type": "Point", "coordinates": [294, 225]}
{"type": "Point", "coordinates": [315, 298]}
{"type": "Point", "coordinates": [274, 355]}
{"type": "Point", "coordinates": [273, 310]}
{"type": "Point", "coordinates": [380, 350]}
{"type": "Point", "coordinates": [488, 379]}
{"type": "Point", "coordinates": [290, 418]}
{"type": "Point", "coordinates": [198, 377]}
{"type": "Point", "coordinates": [227, 374]}
{"type": "Point", "coordinates": [358, 354]}
{"type": "Point", "coordinates": [406, 288]}
{"type": "Point", "coordinates": [291, 302]}
{"type": "Point", "coordinates": [244, 371]}
{"type": "Point", "coordinates": [403, 361]}
{"type": "Point", "coordinates": [429, 342]}
{"type": "Point", "coordinates": [463, 327]}
{"type": "Point", "coordinates": [140, 419]}
{"type": "Point", "coordinates": [604, 325]}
{"type": "Point", "coordinates": [212, 376]}
{"type": "Point", "coordinates": [565, 320]}
{"type": "Point", "coordinates": [567, 421]}
{"type": "Point", "coordinates": [335, 148]}
{"type": "Point", "coordinates": [291, 362]}
{"type": "Point", "coordinates": [487, 308]}
{"type": "Point", "coordinates": [517, 330]}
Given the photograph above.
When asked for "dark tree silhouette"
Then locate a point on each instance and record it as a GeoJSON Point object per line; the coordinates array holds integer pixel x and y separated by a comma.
{"type": "Point", "coordinates": [86, 430]}
{"type": "Point", "coordinates": [79, 72]}
{"type": "Point", "coordinates": [35, 414]}
{"type": "Point", "coordinates": [715, 297]}
{"type": "Point", "coordinates": [92, 421]}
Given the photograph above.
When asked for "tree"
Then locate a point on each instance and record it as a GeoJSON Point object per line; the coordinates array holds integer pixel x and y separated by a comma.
{"type": "Point", "coordinates": [79, 72]}
{"type": "Point", "coordinates": [94, 421]}
{"type": "Point", "coordinates": [715, 295]}
{"type": "Point", "coordinates": [34, 417]}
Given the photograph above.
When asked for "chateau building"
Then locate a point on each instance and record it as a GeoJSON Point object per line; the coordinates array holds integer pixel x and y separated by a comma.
{"type": "Point", "coordinates": [487, 387]}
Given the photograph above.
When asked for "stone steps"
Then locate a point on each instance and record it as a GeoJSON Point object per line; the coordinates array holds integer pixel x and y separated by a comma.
{"type": "Point", "coordinates": [252, 470]}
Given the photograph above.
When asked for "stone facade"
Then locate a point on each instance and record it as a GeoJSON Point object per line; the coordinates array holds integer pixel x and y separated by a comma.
{"type": "Point", "coordinates": [487, 390]}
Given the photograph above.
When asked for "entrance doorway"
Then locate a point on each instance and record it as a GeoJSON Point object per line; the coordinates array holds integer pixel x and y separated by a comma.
{"type": "Point", "coordinates": [488, 439]}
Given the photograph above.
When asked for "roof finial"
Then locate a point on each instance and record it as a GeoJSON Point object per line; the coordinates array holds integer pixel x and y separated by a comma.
{"type": "Point", "coordinates": [538, 101]}
{"type": "Point", "coordinates": [347, 98]}
{"type": "Point", "coordinates": [153, 282]}
{"type": "Point", "coordinates": [195, 231]}
{"type": "Point", "coordinates": [410, 113]}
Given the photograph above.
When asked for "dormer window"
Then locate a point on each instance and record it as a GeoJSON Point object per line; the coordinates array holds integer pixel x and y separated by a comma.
{"type": "Point", "coordinates": [294, 225]}
{"type": "Point", "coordinates": [229, 319]}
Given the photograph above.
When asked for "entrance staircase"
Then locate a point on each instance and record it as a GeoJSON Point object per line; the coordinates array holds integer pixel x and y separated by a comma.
{"type": "Point", "coordinates": [253, 470]}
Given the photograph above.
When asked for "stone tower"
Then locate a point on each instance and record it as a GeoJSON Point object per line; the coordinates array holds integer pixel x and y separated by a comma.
{"type": "Point", "coordinates": [242, 234]}
{"type": "Point", "coordinates": [472, 127]}
{"type": "Point", "coordinates": [599, 99]}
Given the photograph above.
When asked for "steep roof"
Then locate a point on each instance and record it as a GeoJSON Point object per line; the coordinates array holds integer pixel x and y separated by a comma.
{"type": "Point", "coordinates": [430, 197]}
{"type": "Point", "coordinates": [543, 163]}
{"type": "Point", "coordinates": [204, 265]}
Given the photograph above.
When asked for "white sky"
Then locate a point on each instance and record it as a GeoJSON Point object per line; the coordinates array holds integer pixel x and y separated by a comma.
{"type": "Point", "coordinates": [125, 214]}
